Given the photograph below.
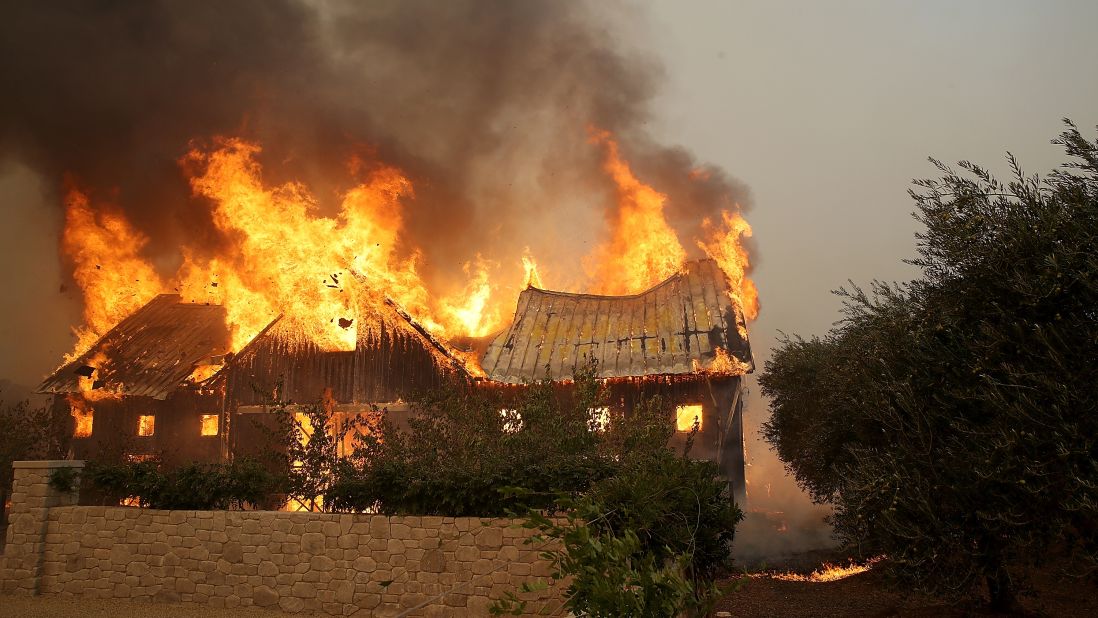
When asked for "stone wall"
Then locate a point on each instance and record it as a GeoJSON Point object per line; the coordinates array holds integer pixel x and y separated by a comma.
{"type": "Point", "coordinates": [338, 564]}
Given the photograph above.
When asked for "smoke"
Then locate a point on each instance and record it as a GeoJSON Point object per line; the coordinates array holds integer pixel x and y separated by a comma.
{"type": "Point", "coordinates": [485, 105]}
{"type": "Point", "coordinates": [782, 527]}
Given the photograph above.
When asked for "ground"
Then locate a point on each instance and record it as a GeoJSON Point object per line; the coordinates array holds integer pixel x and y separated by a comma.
{"type": "Point", "coordinates": [868, 595]}
{"type": "Point", "coordinates": [53, 607]}
{"type": "Point", "coordinates": [864, 595]}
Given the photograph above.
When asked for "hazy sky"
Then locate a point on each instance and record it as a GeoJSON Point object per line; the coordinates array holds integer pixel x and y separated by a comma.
{"type": "Point", "coordinates": [826, 110]}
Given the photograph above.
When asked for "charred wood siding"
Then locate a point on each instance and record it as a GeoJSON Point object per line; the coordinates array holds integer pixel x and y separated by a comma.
{"type": "Point", "coordinates": [176, 438]}
{"type": "Point", "coordinates": [389, 363]}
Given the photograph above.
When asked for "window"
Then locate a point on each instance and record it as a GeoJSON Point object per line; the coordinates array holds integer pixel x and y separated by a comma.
{"type": "Point", "coordinates": [146, 425]}
{"type": "Point", "coordinates": [599, 419]}
{"type": "Point", "coordinates": [686, 416]}
{"type": "Point", "coordinates": [83, 417]}
{"type": "Point", "coordinates": [209, 424]}
{"type": "Point", "coordinates": [512, 420]}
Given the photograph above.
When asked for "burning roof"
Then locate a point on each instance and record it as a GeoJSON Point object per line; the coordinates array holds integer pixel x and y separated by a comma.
{"type": "Point", "coordinates": [149, 353]}
{"type": "Point", "coordinates": [687, 324]}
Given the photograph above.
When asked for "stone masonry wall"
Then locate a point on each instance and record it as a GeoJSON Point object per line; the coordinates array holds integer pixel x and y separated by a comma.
{"type": "Point", "coordinates": [337, 564]}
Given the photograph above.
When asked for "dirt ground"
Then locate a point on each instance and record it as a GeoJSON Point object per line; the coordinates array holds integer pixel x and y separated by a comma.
{"type": "Point", "coordinates": [55, 607]}
{"type": "Point", "coordinates": [868, 595]}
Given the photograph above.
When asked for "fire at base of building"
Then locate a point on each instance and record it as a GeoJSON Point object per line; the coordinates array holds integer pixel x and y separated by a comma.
{"type": "Point", "coordinates": [164, 382]}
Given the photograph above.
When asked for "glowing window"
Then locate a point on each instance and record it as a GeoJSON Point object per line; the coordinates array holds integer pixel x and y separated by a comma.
{"type": "Point", "coordinates": [83, 417]}
{"type": "Point", "coordinates": [687, 416]}
{"type": "Point", "coordinates": [146, 425]}
{"type": "Point", "coordinates": [209, 424]}
{"type": "Point", "coordinates": [599, 418]}
{"type": "Point", "coordinates": [512, 420]}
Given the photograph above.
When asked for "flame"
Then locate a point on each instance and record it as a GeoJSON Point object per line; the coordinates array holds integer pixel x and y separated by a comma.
{"type": "Point", "coordinates": [725, 245]}
{"type": "Point", "coordinates": [320, 271]}
{"type": "Point", "coordinates": [471, 310]}
{"type": "Point", "coordinates": [208, 424]}
{"type": "Point", "coordinates": [643, 249]}
{"type": "Point", "coordinates": [530, 268]}
{"type": "Point", "coordinates": [829, 572]}
{"type": "Point", "coordinates": [107, 265]}
{"type": "Point", "coordinates": [202, 373]}
{"type": "Point", "coordinates": [723, 364]}
{"type": "Point", "coordinates": [82, 414]}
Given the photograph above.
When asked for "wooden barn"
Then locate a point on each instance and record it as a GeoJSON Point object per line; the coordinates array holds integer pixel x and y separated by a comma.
{"type": "Point", "coordinates": [684, 339]}
{"type": "Point", "coordinates": [136, 388]}
{"type": "Point", "coordinates": [163, 381]}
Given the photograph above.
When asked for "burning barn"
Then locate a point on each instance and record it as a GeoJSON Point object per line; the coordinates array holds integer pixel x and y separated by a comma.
{"type": "Point", "coordinates": [139, 388]}
{"type": "Point", "coordinates": [164, 382]}
{"type": "Point", "coordinates": [684, 340]}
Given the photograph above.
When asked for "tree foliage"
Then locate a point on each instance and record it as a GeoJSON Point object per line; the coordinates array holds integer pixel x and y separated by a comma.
{"type": "Point", "coordinates": [951, 420]}
{"type": "Point", "coordinates": [27, 433]}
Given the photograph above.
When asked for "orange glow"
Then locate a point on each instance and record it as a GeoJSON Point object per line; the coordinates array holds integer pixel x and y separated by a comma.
{"type": "Point", "coordinates": [724, 364]}
{"type": "Point", "coordinates": [209, 424]}
{"type": "Point", "coordinates": [202, 373]}
{"type": "Point", "coordinates": [600, 419]}
{"type": "Point", "coordinates": [146, 425]}
{"type": "Point", "coordinates": [530, 268]}
{"type": "Point", "coordinates": [686, 416]}
{"type": "Point", "coordinates": [643, 249]}
{"type": "Point", "coordinates": [470, 310]}
{"type": "Point", "coordinates": [83, 416]}
{"type": "Point", "coordinates": [725, 246]}
{"type": "Point", "coordinates": [326, 272]}
{"type": "Point", "coordinates": [830, 572]}
{"type": "Point", "coordinates": [107, 265]}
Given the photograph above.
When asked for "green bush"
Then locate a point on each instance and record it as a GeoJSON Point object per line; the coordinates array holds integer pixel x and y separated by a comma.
{"type": "Point", "coordinates": [239, 484]}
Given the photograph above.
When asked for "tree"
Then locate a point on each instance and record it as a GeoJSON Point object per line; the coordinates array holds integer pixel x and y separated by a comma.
{"type": "Point", "coordinates": [955, 428]}
{"type": "Point", "coordinates": [27, 434]}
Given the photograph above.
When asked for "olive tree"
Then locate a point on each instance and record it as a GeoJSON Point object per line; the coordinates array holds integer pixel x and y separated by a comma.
{"type": "Point", "coordinates": [951, 420]}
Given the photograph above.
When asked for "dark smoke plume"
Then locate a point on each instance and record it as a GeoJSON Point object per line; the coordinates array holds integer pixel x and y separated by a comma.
{"type": "Point", "coordinates": [485, 105]}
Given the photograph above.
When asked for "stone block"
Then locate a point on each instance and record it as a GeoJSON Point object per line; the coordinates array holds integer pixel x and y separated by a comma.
{"type": "Point", "coordinates": [303, 590]}
{"type": "Point", "coordinates": [379, 527]}
{"type": "Point", "coordinates": [489, 537]}
{"type": "Point", "coordinates": [232, 552]}
{"type": "Point", "coordinates": [433, 561]}
{"type": "Point", "coordinates": [322, 563]}
{"type": "Point", "coordinates": [312, 542]}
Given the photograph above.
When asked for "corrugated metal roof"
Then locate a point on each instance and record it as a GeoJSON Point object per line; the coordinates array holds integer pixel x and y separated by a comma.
{"type": "Point", "coordinates": [151, 352]}
{"type": "Point", "coordinates": [681, 326]}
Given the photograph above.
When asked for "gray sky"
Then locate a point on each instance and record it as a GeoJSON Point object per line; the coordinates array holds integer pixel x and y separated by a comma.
{"type": "Point", "coordinates": [826, 110]}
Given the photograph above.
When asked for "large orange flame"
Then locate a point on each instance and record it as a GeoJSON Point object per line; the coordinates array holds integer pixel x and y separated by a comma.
{"type": "Point", "coordinates": [107, 265]}
{"type": "Point", "coordinates": [642, 249]}
{"type": "Point", "coordinates": [286, 258]}
{"type": "Point", "coordinates": [725, 245]}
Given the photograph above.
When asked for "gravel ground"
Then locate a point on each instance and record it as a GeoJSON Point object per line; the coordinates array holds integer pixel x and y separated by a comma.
{"type": "Point", "coordinates": [55, 607]}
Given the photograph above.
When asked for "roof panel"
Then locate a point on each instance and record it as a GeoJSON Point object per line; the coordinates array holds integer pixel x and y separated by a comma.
{"type": "Point", "coordinates": [152, 352]}
{"type": "Point", "coordinates": [669, 329]}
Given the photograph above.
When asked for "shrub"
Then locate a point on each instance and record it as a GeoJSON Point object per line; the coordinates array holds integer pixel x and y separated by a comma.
{"type": "Point", "coordinates": [239, 484]}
